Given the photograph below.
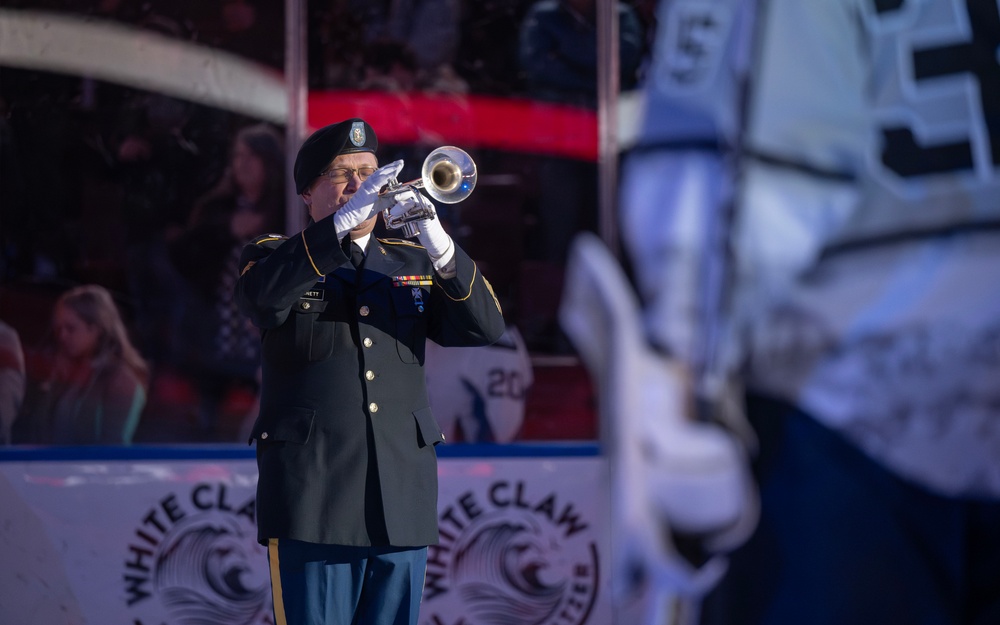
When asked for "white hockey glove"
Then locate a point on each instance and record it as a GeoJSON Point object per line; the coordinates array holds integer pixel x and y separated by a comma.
{"type": "Point", "coordinates": [668, 472]}
{"type": "Point", "coordinates": [361, 206]}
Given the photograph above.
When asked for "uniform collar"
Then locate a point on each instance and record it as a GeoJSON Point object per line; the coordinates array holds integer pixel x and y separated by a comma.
{"type": "Point", "coordinates": [378, 264]}
{"type": "Point", "coordinates": [362, 242]}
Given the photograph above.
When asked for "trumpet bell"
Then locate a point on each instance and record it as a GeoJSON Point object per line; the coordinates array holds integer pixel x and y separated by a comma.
{"type": "Point", "coordinates": [448, 175]}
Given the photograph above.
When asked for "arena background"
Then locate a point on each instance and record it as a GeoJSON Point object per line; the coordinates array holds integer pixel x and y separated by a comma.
{"type": "Point", "coordinates": [161, 531]}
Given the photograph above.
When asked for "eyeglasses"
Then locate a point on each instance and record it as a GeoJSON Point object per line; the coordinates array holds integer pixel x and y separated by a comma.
{"type": "Point", "coordinates": [338, 175]}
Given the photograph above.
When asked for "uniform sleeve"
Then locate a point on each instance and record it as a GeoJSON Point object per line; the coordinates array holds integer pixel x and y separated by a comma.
{"type": "Point", "coordinates": [277, 270]}
{"type": "Point", "coordinates": [466, 311]}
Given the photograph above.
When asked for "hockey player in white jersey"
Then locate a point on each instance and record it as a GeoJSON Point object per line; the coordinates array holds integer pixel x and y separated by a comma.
{"type": "Point", "coordinates": [813, 210]}
{"type": "Point", "coordinates": [479, 394]}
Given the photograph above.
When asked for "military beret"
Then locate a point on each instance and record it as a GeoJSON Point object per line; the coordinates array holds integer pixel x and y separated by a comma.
{"type": "Point", "coordinates": [346, 137]}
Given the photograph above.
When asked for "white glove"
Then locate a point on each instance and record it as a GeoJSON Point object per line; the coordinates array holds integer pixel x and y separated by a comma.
{"type": "Point", "coordinates": [430, 232]}
{"type": "Point", "coordinates": [389, 200]}
{"type": "Point", "coordinates": [431, 235]}
{"type": "Point", "coordinates": [439, 245]}
{"type": "Point", "coordinates": [403, 201]}
{"type": "Point", "coordinates": [361, 206]}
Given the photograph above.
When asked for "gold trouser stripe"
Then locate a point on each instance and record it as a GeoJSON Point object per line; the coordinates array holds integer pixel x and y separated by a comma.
{"type": "Point", "coordinates": [279, 602]}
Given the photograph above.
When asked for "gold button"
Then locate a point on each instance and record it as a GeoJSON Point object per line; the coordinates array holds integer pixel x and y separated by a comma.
{"type": "Point", "coordinates": [369, 375]}
{"type": "Point", "coordinates": [373, 407]}
{"type": "Point", "coordinates": [367, 342]}
{"type": "Point", "coordinates": [306, 305]}
{"type": "Point", "coordinates": [364, 311]}
{"type": "Point", "coordinates": [263, 435]}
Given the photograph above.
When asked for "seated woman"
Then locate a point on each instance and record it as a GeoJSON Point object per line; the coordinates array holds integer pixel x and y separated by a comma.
{"type": "Point", "coordinates": [94, 388]}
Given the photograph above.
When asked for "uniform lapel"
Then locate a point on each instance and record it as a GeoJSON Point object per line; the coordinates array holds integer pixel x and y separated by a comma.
{"type": "Point", "coordinates": [379, 265]}
{"type": "Point", "coordinates": [345, 272]}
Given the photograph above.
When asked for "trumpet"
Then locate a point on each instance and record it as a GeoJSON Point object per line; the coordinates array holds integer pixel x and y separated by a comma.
{"type": "Point", "coordinates": [448, 175]}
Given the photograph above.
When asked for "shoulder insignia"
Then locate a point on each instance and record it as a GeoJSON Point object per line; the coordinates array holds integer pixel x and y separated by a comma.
{"type": "Point", "coordinates": [266, 238]}
{"type": "Point", "coordinates": [489, 287]}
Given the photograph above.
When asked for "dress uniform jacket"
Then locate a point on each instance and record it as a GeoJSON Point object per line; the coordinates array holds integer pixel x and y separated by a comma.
{"type": "Point", "coordinates": [345, 437]}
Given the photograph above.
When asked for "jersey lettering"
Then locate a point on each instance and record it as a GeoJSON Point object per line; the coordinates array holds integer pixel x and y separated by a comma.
{"type": "Point", "coordinates": [949, 119]}
{"type": "Point", "coordinates": [505, 383]}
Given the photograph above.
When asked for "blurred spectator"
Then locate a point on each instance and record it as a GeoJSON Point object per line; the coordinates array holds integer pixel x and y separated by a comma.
{"type": "Point", "coordinates": [645, 12]}
{"type": "Point", "coordinates": [558, 50]}
{"type": "Point", "coordinates": [477, 394]}
{"type": "Point", "coordinates": [219, 347]}
{"type": "Point", "coordinates": [389, 66]}
{"type": "Point", "coordinates": [39, 149]}
{"type": "Point", "coordinates": [393, 66]}
{"type": "Point", "coordinates": [427, 27]}
{"type": "Point", "coordinates": [488, 44]}
{"type": "Point", "coordinates": [90, 385]}
{"type": "Point", "coordinates": [166, 152]}
{"type": "Point", "coordinates": [13, 194]}
{"type": "Point", "coordinates": [392, 46]}
{"type": "Point", "coordinates": [12, 380]}
{"type": "Point", "coordinates": [336, 45]}
{"type": "Point", "coordinates": [251, 29]}
{"type": "Point", "coordinates": [558, 57]}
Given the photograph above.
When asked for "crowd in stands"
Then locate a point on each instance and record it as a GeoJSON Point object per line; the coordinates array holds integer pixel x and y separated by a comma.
{"type": "Point", "coordinates": [147, 195]}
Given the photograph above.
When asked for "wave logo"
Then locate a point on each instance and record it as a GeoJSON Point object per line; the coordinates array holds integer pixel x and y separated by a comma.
{"type": "Point", "coordinates": [507, 559]}
{"type": "Point", "coordinates": [199, 557]}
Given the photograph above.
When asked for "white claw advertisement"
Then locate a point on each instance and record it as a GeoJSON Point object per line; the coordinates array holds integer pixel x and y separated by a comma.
{"type": "Point", "coordinates": [173, 542]}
